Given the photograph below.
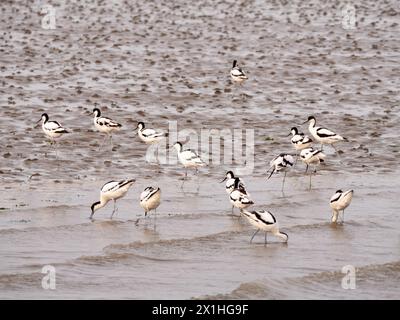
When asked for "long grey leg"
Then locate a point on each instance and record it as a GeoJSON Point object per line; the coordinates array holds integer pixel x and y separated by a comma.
{"type": "Point", "coordinates": [295, 161]}
{"type": "Point", "coordinates": [265, 238]}
{"type": "Point", "coordinates": [254, 235]}
{"type": "Point", "coordinates": [184, 179]}
{"type": "Point", "coordinates": [55, 148]}
{"type": "Point", "coordinates": [104, 142]}
{"type": "Point", "coordinates": [111, 142]}
{"type": "Point", "coordinates": [283, 183]}
{"type": "Point", "coordinates": [115, 208]}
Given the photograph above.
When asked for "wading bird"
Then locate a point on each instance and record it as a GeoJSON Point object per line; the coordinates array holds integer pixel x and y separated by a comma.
{"type": "Point", "coordinates": [188, 158]}
{"type": "Point", "coordinates": [323, 135]}
{"type": "Point", "coordinates": [281, 163]}
{"type": "Point", "coordinates": [52, 129]}
{"type": "Point", "coordinates": [310, 156]}
{"type": "Point", "coordinates": [339, 202]}
{"type": "Point", "coordinates": [112, 190]}
{"type": "Point", "coordinates": [105, 125]}
{"type": "Point", "coordinates": [264, 220]}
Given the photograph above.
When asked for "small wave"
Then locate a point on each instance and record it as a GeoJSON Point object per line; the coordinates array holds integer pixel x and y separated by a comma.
{"type": "Point", "coordinates": [320, 285]}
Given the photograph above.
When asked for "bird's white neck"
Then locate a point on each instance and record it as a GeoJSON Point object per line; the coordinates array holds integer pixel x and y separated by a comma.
{"type": "Point", "coordinates": [178, 148]}
{"type": "Point", "coordinates": [312, 123]}
{"type": "Point", "coordinates": [100, 205]}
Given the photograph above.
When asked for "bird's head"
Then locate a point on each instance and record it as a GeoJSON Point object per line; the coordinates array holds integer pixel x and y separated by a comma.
{"type": "Point", "coordinates": [177, 146]}
{"type": "Point", "coordinates": [293, 131]}
{"type": "Point", "coordinates": [310, 118]}
{"type": "Point", "coordinates": [228, 175]}
{"type": "Point", "coordinates": [96, 112]}
{"type": "Point", "coordinates": [140, 126]}
{"type": "Point", "coordinates": [44, 118]}
{"type": "Point", "coordinates": [95, 206]}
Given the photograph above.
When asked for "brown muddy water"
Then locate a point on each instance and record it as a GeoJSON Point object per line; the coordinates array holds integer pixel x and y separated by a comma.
{"type": "Point", "coordinates": [159, 62]}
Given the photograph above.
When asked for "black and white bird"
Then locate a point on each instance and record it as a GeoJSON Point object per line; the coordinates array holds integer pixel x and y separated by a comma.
{"type": "Point", "coordinates": [264, 220]}
{"type": "Point", "coordinates": [188, 158]}
{"type": "Point", "coordinates": [239, 197]}
{"type": "Point", "coordinates": [150, 199]}
{"type": "Point", "coordinates": [52, 129]}
{"type": "Point", "coordinates": [230, 182]}
{"type": "Point", "coordinates": [237, 74]}
{"type": "Point", "coordinates": [323, 135]}
{"type": "Point", "coordinates": [299, 140]}
{"type": "Point", "coordinates": [105, 125]}
{"type": "Point", "coordinates": [112, 190]}
{"type": "Point", "coordinates": [339, 202]}
{"type": "Point", "coordinates": [149, 136]}
{"type": "Point", "coordinates": [311, 156]}
{"type": "Point", "coordinates": [281, 163]}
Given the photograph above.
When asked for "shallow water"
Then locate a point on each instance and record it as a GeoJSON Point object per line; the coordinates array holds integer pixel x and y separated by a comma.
{"type": "Point", "coordinates": [159, 62]}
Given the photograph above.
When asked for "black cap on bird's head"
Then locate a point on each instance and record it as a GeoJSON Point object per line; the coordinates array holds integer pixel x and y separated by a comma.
{"type": "Point", "coordinates": [97, 112]}
{"type": "Point", "coordinates": [234, 63]}
{"type": "Point", "coordinates": [339, 191]}
{"type": "Point", "coordinates": [293, 131]}
{"type": "Point", "coordinates": [93, 208]}
{"type": "Point", "coordinates": [140, 125]}
{"type": "Point", "coordinates": [309, 119]}
{"type": "Point", "coordinates": [178, 146]}
{"type": "Point", "coordinates": [229, 175]}
{"type": "Point", "coordinates": [44, 117]}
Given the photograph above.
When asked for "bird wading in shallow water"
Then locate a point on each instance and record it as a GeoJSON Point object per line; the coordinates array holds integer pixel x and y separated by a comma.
{"type": "Point", "coordinates": [237, 74]}
{"type": "Point", "coordinates": [52, 129]}
{"type": "Point", "coordinates": [339, 202]}
{"type": "Point", "coordinates": [105, 125]}
{"type": "Point", "coordinates": [264, 220]}
{"type": "Point", "coordinates": [149, 136]}
{"type": "Point", "coordinates": [188, 158]}
{"type": "Point", "coordinates": [281, 163]}
{"type": "Point", "coordinates": [239, 197]}
{"type": "Point", "coordinates": [230, 184]}
{"type": "Point", "coordinates": [311, 156]}
{"type": "Point", "coordinates": [150, 199]}
{"type": "Point", "coordinates": [112, 190]}
{"type": "Point", "coordinates": [323, 135]}
{"type": "Point", "coordinates": [299, 141]}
